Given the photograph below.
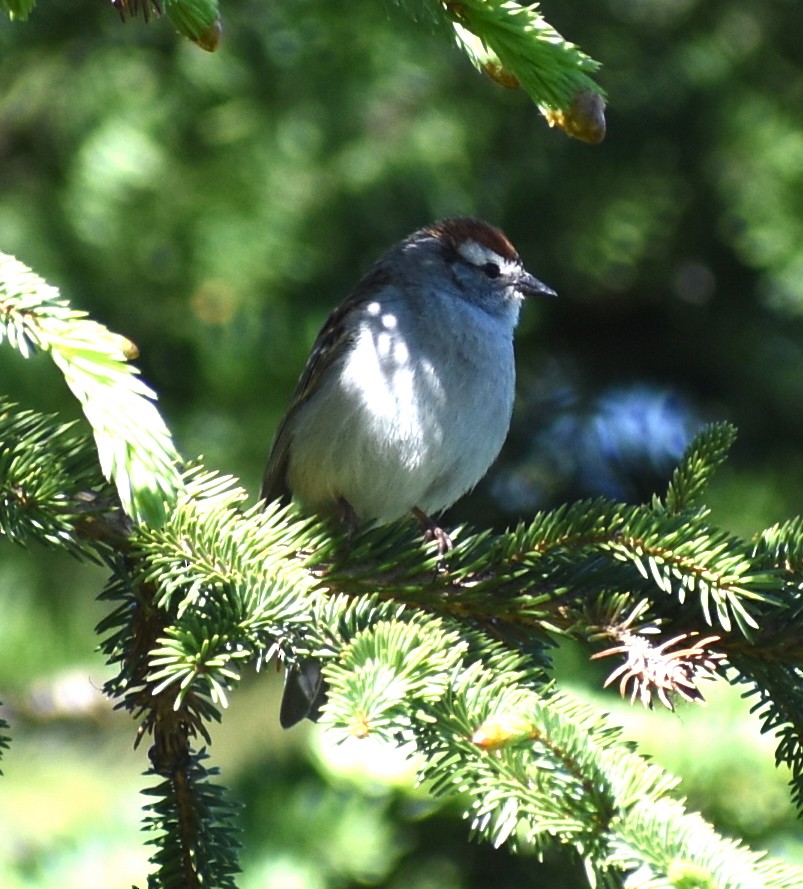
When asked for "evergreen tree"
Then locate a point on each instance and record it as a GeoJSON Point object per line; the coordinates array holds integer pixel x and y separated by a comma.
{"type": "Point", "coordinates": [446, 656]}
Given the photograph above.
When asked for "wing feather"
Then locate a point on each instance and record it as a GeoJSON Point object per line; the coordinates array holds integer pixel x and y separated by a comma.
{"type": "Point", "coordinates": [329, 345]}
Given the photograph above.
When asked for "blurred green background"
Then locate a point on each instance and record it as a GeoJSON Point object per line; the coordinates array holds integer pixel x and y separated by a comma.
{"type": "Point", "coordinates": [214, 208]}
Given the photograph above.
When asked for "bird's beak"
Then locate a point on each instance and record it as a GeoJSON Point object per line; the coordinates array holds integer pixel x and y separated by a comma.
{"type": "Point", "coordinates": [527, 285]}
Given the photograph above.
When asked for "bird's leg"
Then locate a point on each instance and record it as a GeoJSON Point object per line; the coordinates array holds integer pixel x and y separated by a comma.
{"type": "Point", "coordinates": [433, 531]}
{"type": "Point", "coordinates": [348, 517]}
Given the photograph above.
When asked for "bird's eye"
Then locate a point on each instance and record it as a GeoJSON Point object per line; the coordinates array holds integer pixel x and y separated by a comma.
{"type": "Point", "coordinates": [491, 269]}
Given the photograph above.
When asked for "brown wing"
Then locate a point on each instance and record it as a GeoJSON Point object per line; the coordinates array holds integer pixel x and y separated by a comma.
{"type": "Point", "coordinates": [329, 344]}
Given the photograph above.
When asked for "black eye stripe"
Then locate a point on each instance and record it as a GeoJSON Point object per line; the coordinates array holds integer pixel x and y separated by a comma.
{"type": "Point", "coordinates": [491, 269]}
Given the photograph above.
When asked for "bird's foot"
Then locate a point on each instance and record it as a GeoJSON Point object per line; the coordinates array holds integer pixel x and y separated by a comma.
{"type": "Point", "coordinates": [433, 531]}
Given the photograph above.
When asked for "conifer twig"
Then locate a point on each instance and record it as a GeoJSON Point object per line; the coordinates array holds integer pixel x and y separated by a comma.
{"type": "Point", "coordinates": [134, 445]}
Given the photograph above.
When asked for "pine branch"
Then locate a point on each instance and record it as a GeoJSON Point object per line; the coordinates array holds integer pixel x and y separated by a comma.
{"type": "Point", "coordinates": [530, 574]}
{"type": "Point", "coordinates": [778, 692]}
{"type": "Point", "coordinates": [396, 663]}
{"type": "Point", "coordinates": [135, 448]}
{"type": "Point", "coordinates": [195, 825]}
{"type": "Point", "coordinates": [781, 546]}
{"type": "Point", "coordinates": [451, 654]}
{"type": "Point", "coordinates": [553, 769]}
{"type": "Point", "coordinates": [538, 768]}
{"type": "Point", "coordinates": [707, 453]}
{"type": "Point", "coordinates": [664, 846]}
{"type": "Point", "coordinates": [514, 44]}
{"type": "Point", "coordinates": [50, 488]}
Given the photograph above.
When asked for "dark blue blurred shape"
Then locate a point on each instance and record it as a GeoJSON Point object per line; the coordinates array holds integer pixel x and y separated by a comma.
{"type": "Point", "coordinates": [623, 443]}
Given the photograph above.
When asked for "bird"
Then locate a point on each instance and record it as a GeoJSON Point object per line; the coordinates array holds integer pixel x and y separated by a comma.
{"type": "Point", "coordinates": [407, 395]}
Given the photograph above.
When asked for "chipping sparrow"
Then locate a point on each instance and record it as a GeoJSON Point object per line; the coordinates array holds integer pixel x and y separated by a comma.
{"type": "Point", "coordinates": [406, 398]}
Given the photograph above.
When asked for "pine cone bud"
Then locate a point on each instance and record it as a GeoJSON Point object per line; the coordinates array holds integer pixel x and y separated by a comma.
{"type": "Point", "coordinates": [197, 19]}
